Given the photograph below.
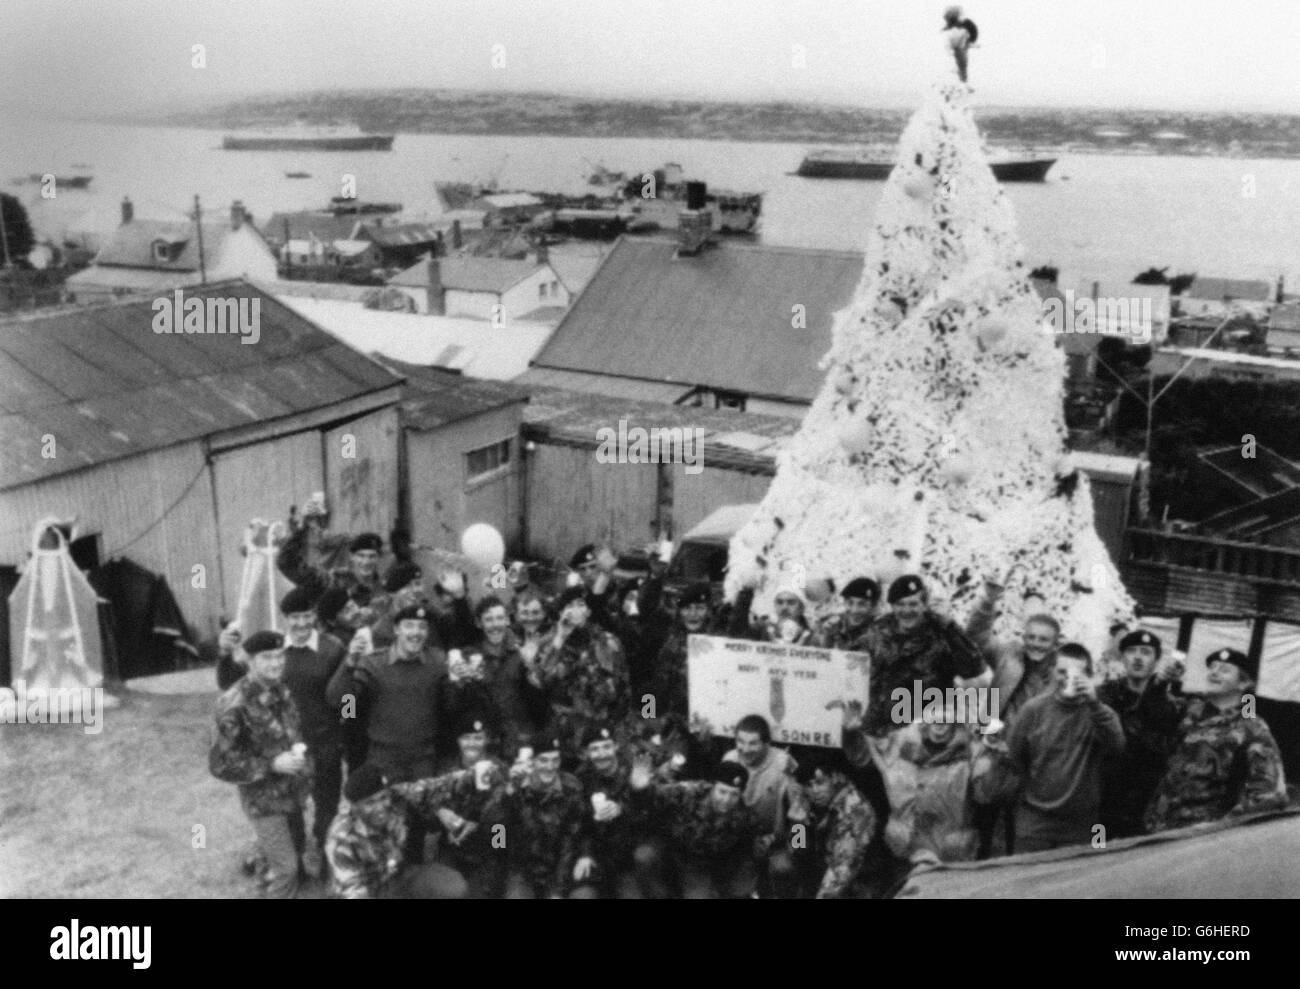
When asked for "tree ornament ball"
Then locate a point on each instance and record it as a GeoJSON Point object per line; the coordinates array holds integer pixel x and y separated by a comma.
{"type": "Point", "coordinates": [918, 188]}
{"type": "Point", "coordinates": [992, 331]}
{"type": "Point", "coordinates": [855, 436]}
{"type": "Point", "coordinates": [483, 545]}
{"type": "Point", "coordinates": [845, 381]}
{"type": "Point", "coordinates": [818, 590]}
{"type": "Point", "coordinates": [890, 312]}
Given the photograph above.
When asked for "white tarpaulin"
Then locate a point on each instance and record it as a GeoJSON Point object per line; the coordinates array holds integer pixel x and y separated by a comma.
{"type": "Point", "coordinates": [261, 586]}
{"type": "Point", "coordinates": [54, 618]}
{"type": "Point", "coordinates": [800, 690]}
{"type": "Point", "coordinates": [1279, 667]}
{"type": "Point", "coordinates": [1210, 635]}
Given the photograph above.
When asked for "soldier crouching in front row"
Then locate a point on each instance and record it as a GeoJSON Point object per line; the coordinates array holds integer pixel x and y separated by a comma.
{"type": "Point", "coordinates": [257, 745]}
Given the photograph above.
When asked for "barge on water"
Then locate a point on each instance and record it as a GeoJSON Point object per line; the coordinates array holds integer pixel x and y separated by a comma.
{"type": "Point", "coordinates": [847, 164]}
{"type": "Point", "coordinates": [309, 139]}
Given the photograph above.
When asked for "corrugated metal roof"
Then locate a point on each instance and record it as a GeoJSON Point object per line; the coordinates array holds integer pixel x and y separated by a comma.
{"type": "Point", "coordinates": [468, 274]}
{"type": "Point", "coordinates": [433, 397]}
{"type": "Point", "coordinates": [721, 319]}
{"type": "Point", "coordinates": [603, 384]}
{"type": "Point", "coordinates": [403, 234]}
{"type": "Point", "coordinates": [302, 225]}
{"type": "Point", "coordinates": [107, 386]}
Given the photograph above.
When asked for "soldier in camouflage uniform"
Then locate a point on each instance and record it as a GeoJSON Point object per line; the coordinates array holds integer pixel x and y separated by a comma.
{"type": "Point", "coordinates": [1226, 763]}
{"type": "Point", "coordinates": [846, 631]}
{"type": "Point", "coordinates": [366, 843]}
{"type": "Point", "coordinates": [616, 836]}
{"type": "Point", "coordinates": [481, 798]}
{"type": "Point", "coordinates": [314, 559]}
{"type": "Point", "coordinates": [548, 818]}
{"type": "Point", "coordinates": [258, 746]}
{"type": "Point", "coordinates": [714, 840]}
{"type": "Point", "coordinates": [669, 682]}
{"type": "Point", "coordinates": [841, 824]}
{"type": "Point", "coordinates": [581, 671]}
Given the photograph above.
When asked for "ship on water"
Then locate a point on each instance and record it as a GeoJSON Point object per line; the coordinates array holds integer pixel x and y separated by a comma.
{"type": "Point", "coordinates": [302, 138]}
{"type": "Point", "coordinates": [838, 163]}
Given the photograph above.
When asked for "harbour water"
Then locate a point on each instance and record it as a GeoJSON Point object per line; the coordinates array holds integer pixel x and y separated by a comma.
{"type": "Point", "coordinates": [1097, 216]}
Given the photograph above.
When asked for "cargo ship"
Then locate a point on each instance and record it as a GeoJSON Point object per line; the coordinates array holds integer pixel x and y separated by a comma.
{"type": "Point", "coordinates": [309, 139]}
{"type": "Point", "coordinates": [848, 164]}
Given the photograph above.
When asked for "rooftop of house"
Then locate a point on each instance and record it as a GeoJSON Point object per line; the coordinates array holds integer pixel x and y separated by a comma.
{"type": "Point", "coordinates": [107, 386]}
{"type": "Point", "coordinates": [468, 274]}
{"type": "Point", "coordinates": [434, 397]}
{"type": "Point", "coordinates": [164, 245]}
{"type": "Point", "coordinates": [723, 318]}
{"type": "Point", "coordinates": [1219, 289]}
{"type": "Point", "coordinates": [306, 224]}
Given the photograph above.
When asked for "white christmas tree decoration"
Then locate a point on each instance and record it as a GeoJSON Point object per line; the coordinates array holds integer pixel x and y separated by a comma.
{"type": "Point", "coordinates": [937, 444]}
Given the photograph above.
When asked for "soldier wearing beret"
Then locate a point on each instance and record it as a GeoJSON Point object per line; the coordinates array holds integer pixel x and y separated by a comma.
{"type": "Point", "coordinates": [846, 630]}
{"type": "Point", "coordinates": [695, 616]}
{"type": "Point", "coordinates": [594, 574]}
{"type": "Point", "coordinates": [548, 818]}
{"type": "Point", "coordinates": [1150, 706]}
{"type": "Point", "coordinates": [451, 622]}
{"type": "Point", "coordinates": [581, 671]}
{"type": "Point", "coordinates": [1226, 761]}
{"type": "Point", "coordinates": [713, 838]}
{"type": "Point", "coordinates": [840, 826]}
{"type": "Point", "coordinates": [366, 844]}
{"type": "Point", "coordinates": [258, 746]}
{"type": "Point", "coordinates": [317, 560]}
{"type": "Point", "coordinates": [615, 837]}
{"type": "Point", "coordinates": [477, 811]}
{"type": "Point", "coordinates": [913, 643]}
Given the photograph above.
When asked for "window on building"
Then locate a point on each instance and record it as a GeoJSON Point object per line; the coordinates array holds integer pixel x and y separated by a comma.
{"type": "Point", "coordinates": [730, 400]}
{"type": "Point", "coordinates": [555, 290]}
{"type": "Point", "coordinates": [486, 459]}
{"type": "Point", "coordinates": [541, 291]}
{"type": "Point", "coordinates": [162, 251]}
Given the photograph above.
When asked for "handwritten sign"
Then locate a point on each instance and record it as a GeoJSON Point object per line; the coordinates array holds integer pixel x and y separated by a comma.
{"type": "Point", "coordinates": [800, 690]}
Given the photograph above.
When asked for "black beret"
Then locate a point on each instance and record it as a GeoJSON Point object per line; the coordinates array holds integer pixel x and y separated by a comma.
{"type": "Point", "coordinates": [366, 781]}
{"type": "Point", "coordinates": [1140, 637]}
{"type": "Point", "coordinates": [299, 599]}
{"type": "Point", "coordinates": [331, 603]}
{"type": "Point", "coordinates": [367, 540]}
{"type": "Point", "coordinates": [263, 642]}
{"type": "Point", "coordinates": [699, 593]}
{"type": "Point", "coordinates": [587, 554]}
{"type": "Point", "coordinates": [401, 575]}
{"type": "Point", "coordinates": [905, 587]}
{"type": "Point", "coordinates": [568, 595]}
{"type": "Point", "coordinates": [546, 745]}
{"type": "Point", "coordinates": [472, 722]}
{"type": "Point", "coordinates": [731, 773]}
{"type": "Point", "coordinates": [1237, 658]}
{"type": "Point", "coordinates": [861, 587]}
{"type": "Point", "coordinates": [413, 611]}
{"type": "Point", "coordinates": [361, 594]}
{"type": "Point", "coordinates": [595, 733]}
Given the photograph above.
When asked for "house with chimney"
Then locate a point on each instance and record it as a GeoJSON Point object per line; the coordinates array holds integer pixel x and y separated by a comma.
{"type": "Point", "coordinates": [498, 289]}
{"type": "Point", "coordinates": [1223, 296]}
{"type": "Point", "coordinates": [143, 256]}
{"type": "Point", "coordinates": [690, 320]}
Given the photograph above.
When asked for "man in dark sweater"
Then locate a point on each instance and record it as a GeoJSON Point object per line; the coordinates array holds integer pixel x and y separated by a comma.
{"type": "Point", "coordinates": [1150, 709]}
{"type": "Point", "coordinates": [399, 689]}
{"type": "Point", "coordinates": [1058, 745]}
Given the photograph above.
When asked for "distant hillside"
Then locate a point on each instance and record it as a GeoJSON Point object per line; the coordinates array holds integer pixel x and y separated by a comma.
{"type": "Point", "coordinates": [419, 111]}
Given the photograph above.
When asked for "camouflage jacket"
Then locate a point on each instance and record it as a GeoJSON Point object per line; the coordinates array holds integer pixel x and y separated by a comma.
{"type": "Point", "coordinates": [694, 829]}
{"type": "Point", "coordinates": [670, 680]}
{"type": "Point", "coordinates": [1225, 764]}
{"type": "Point", "coordinates": [546, 832]}
{"type": "Point", "coordinates": [841, 833]}
{"type": "Point", "coordinates": [584, 680]}
{"type": "Point", "coordinates": [935, 652]}
{"type": "Point", "coordinates": [835, 633]}
{"type": "Point", "coordinates": [254, 724]}
{"type": "Point", "coordinates": [321, 561]}
{"type": "Point", "coordinates": [611, 843]}
{"type": "Point", "coordinates": [365, 843]}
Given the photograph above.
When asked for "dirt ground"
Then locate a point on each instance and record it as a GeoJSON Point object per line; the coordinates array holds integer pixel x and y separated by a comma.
{"type": "Point", "coordinates": [128, 813]}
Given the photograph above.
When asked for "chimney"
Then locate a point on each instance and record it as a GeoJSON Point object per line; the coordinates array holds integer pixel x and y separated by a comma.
{"type": "Point", "coordinates": [543, 252]}
{"type": "Point", "coordinates": [437, 294]}
{"type": "Point", "coordinates": [128, 209]}
{"type": "Point", "coordinates": [236, 214]}
{"type": "Point", "coordinates": [696, 193]}
{"type": "Point", "coordinates": [456, 241]}
{"type": "Point", "coordinates": [1281, 285]}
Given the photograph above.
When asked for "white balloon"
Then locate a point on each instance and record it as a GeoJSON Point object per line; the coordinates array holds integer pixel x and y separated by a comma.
{"type": "Point", "coordinates": [855, 435]}
{"type": "Point", "coordinates": [818, 590]}
{"type": "Point", "coordinates": [483, 545]}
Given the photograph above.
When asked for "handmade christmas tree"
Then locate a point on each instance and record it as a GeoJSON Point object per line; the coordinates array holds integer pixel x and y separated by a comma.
{"type": "Point", "coordinates": [937, 444]}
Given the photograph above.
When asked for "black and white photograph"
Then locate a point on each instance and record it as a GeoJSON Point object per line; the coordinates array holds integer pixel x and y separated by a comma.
{"type": "Point", "coordinates": [525, 449]}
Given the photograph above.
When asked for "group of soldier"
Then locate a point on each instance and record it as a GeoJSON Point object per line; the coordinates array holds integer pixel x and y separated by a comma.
{"type": "Point", "coordinates": [541, 746]}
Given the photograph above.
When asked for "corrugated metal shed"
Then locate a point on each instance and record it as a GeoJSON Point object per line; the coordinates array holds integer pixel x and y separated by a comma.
{"type": "Point", "coordinates": [434, 397]}
{"type": "Point", "coordinates": [722, 319]}
{"type": "Point", "coordinates": [1218, 289]}
{"type": "Point", "coordinates": [107, 386]}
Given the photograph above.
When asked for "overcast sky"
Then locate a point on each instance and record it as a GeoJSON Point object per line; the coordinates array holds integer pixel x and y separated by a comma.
{"type": "Point", "coordinates": [136, 54]}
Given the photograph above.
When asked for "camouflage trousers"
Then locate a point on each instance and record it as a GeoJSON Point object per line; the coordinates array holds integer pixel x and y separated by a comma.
{"type": "Point", "coordinates": [280, 840]}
